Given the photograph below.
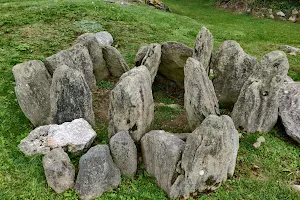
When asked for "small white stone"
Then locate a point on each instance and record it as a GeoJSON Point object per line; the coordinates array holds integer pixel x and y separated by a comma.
{"type": "Point", "coordinates": [201, 172]}
{"type": "Point", "coordinates": [296, 188]}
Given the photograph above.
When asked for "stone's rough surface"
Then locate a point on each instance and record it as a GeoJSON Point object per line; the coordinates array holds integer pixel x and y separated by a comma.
{"type": "Point", "coordinates": [75, 136]}
{"type": "Point", "coordinates": [124, 153]}
{"type": "Point", "coordinates": [59, 170]}
{"type": "Point", "coordinates": [209, 156]}
{"type": "Point", "coordinates": [114, 61]}
{"type": "Point", "coordinates": [97, 173]}
{"type": "Point", "coordinates": [70, 96]}
{"type": "Point", "coordinates": [151, 59]}
{"type": "Point", "coordinates": [104, 38]}
{"type": "Point", "coordinates": [131, 104]}
{"type": "Point", "coordinates": [289, 109]}
{"type": "Point", "coordinates": [173, 59]}
{"type": "Point", "coordinates": [257, 106]}
{"type": "Point", "coordinates": [140, 55]}
{"type": "Point", "coordinates": [33, 91]}
{"type": "Point", "coordinates": [289, 49]}
{"type": "Point", "coordinates": [161, 154]}
{"type": "Point", "coordinates": [77, 57]}
{"type": "Point", "coordinates": [203, 48]}
{"type": "Point", "coordinates": [95, 50]}
{"type": "Point", "coordinates": [232, 67]}
{"type": "Point", "coordinates": [199, 98]}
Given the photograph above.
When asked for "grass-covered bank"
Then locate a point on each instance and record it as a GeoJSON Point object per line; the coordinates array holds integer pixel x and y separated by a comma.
{"type": "Point", "coordinates": [37, 29]}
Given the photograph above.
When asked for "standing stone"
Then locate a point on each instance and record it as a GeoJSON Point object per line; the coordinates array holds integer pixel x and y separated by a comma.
{"type": "Point", "coordinates": [104, 38]}
{"type": "Point", "coordinates": [70, 96]}
{"type": "Point", "coordinates": [77, 57]}
{"type": "Point", "coordinates": [115, 61]}
{"type": "Point", "coordinates": [173, 59]}
{"type": "Point", "coordinates": [97, 173]}
{"type": "Point", "coordinates": [59, 170]}
{"type": "Point", "coordinates": [95, 50]}
{"type": "Point", "coordinates": [33, 91]}
{"type": "Point", "coordinates": [161, 155]}
{"type": "Point", "coordinates": [209, 156]}
{"type": "Point", "coordinates": [257, 106]}
{"type": "Point", "coordinates": [140, 55]}
{"type": "Point", "coordinates": [200, 99]}
{"type": "Point", "coordinates": [289, 109]}
{"type": "Point", "coordinates": [203, 48]}
{"type": "Point", "coordinates": [124, 153]}
{"type": "Point", "coordinates": [131, 104]}
{"type": "Point", "coordinates": [232, 67]}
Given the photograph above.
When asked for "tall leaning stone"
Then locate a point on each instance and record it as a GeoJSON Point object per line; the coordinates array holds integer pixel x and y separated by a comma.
{"type": "Point", "coordinates": [33, 91]}
{"type": "Point", "coordinates": [257, 106]}
{"type": "Point", "coordinates": [289, 109]}
{"type": "Point", "coordinates": [232, 67]}
{"type": "Point", "coordinates": [209, 156]}
{"type": "Point", "coordinates": [200, 99]}
{"type": "Point", "coordinates": [131, 104]}
{"type": "Point", "coordinates": [70, 96]}
{"type": "Point", "coordinates": [203, 47]}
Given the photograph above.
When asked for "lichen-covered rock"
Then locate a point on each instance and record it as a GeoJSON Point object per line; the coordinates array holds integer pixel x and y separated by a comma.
{"type": "Point", "coordinates": [131, 104]}
{"type": "Point", "coordinates": [140, 55]}
{"type": "Point", "coordinates": [209, 156]}
{"type": "Point", "coordinates": [115, 61]}
{"type": "Point", "coordinates": [161, 155]}
{"type": "Point", "coordinates": [203, 47]}
{"type": "Point", "coordinates": [77, 57]}
{"type": "Point", "coordinates": [124, 153]}
{"type": "Point", "coordinates": [289, 109]}
{"type": "Point", "coordinates": [70, 96]}
{"type": "Point", "coordinates": [97, 173]}
{"type": "Point", "coordinates": [173, 59]}
{"type": "Point", "coordinates": [95, 50]}
{"type": "Point", "coordinates": [232, 67]}
{"type": "Point", "coordinates": [104, 38]}
{"type": "Point", "coordinates": [200, 99]}
{"type": "Point", "coordinates": [75, 136]}
{"type": "Point", "coordinates": [33, 91]}
{"type": "Point", "coordinates": [257, 106]}
{"type": "Point", "coordinates": [59, 170]}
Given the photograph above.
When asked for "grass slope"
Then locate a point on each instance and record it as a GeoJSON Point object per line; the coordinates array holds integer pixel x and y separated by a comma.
{"type": "Point", "coordinates": [37, 29]}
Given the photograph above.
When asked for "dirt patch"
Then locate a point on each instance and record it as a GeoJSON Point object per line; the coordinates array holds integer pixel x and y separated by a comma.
{"type": "Point", "coordinates": [179, 124]}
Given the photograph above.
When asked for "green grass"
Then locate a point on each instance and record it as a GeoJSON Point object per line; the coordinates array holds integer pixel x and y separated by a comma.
{"type": "Point", "coordinates": [37, 29]}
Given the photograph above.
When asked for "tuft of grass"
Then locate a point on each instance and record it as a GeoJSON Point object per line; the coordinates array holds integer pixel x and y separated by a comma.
{"type": "Point", "coordinates": [106, 85]}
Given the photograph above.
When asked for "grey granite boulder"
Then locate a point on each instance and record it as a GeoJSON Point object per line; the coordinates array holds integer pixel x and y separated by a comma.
{"type": "Point", "coordinates": [33, 91]}
{"type": "Point", "coordinates": [97, 173]}
{"type": "Point", "coordinates": [232, 67]}
{"type": "Point", "coordinates": [124, 153]}
{"type": "Point", "coordinates": [75, 136]}
{"type": "Point", "coordinates": [161, 155]}
{"type": "Point", "coordinates": [203, 47]}
{"type": "Point", "coordinates": [104, 38]}
{"type": "Point", "coordinates": [115, 61]}
{"type": "Point", "coordinates": [289, 109]}
{"type": "Point", "coordinates": [140, 55]}
{"type": "Point", "coordinates": [200, 99]}
{"type": "Point", "coordinates": [173, 59]}
{"type": "Point", "coordinates": [70, 96]}
{"type": "Point", "coordinates": [209, 156]}
{"type": "Point", "coordinates": [59, 170]}
{"type": "Point", "coordinates": [257, 106]}
{"type": "Point", "coordinates": [95, 50]}
{"type": "Point", "coordinates": [131, 105]}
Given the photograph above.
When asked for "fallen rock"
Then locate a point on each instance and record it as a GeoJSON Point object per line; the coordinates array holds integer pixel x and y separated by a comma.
{"type": "Point", "coordinates": [97, 173]}
{"type": "Point", "coordinates": [209, 156]}
{"type": "Point", "coordinates": [104, 38]}
{"type": "Point", "coordinates": [75, 136]}
{"type": "Point", "coordinates": [173, 59]}
{"type": "Point", "coordinates": [158, 4]}
{"type": "Point", "coordinates": [280, 14]}
{"type": "Point", "coordinates": [131, 104]}
{"type": "Point", "coordinates": [200, 99]}
{"type": "Point", "coordinates": [124, 153]}
{"type": "Point", "coordinates": [115, 61]}
{"type": "Point", "coordinates": [33, 91]}
{"type": "Point", "coordinates": [257, 106]}
{"type": "Point", "coordinates": [203, 48]}
{"type": "Point", "coordinates": [289, 109]}
{"type": "Point", "coordinates": [231, 67]}
{"type": "Point", "coordinates": [140, 55]}
{"type": "Point", "coordinates": [293, 18]}
{"type": "Point", "coordinates": [296, 188]}
{"type": "Point", "coordinates": [59, 170]}
{"type": "Point", "coordinates": [289, 49]}
{"type": "Point", "coordinates": [70, 96]}
{"type": "Point", "coordinates": [161, 154]}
